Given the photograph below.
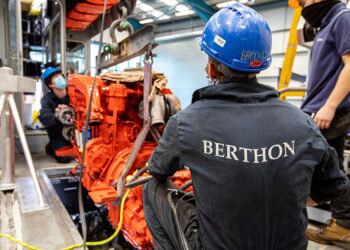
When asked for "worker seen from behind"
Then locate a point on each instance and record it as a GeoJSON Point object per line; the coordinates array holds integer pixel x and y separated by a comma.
{"type": "Point", "coordinates": [56, 99]}
{"type": "Point", "coordinates": [328, 98]}
{"type": "Point", "coordinates": [254, 159]}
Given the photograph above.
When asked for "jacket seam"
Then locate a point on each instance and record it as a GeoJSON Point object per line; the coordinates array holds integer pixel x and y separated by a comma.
{"type": "Point", "coordinates": [178, 132]}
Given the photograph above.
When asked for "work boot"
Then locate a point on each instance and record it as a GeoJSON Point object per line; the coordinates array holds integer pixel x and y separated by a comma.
{"type": "Point", "coordinates": [330, 234]}
{"type": "Point", "coordinates": [49, 150]}
{"type": "Point", "coordinates": [63, 159]}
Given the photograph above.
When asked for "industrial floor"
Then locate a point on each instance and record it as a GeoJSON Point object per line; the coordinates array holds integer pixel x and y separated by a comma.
{"type": "Point", "coordinates": [44, 227]}
{"type": "Point", "coordinates": [41, 228]}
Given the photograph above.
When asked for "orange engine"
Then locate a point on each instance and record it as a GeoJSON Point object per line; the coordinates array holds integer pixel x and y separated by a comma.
{"type": "Point", "coordinates": [113, 129]}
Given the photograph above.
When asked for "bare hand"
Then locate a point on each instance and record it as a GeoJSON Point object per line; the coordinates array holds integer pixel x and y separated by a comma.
{"type": "Point", "coordinates": [310, 202]}
{"type": "Point", "coordinates": [324, 117]}
{"type": "Point", "coordinates": [119, 185]}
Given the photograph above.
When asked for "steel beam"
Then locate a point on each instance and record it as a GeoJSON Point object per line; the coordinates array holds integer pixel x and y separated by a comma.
{"type": "Point", "coordinates": [134, 45]}
{"type": "Point", "coordinates": [203, 10]}
{"type": "Point", "coordinates": [63, 42]}
{"type": "Point", "coordinates": [135, 24]}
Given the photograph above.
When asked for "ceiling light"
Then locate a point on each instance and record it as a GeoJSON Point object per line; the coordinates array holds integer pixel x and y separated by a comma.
{"type": "Point", "coordinates": [181, 7]}
{"type": "Point", "coordinates": [145, 7]}
{"type": "Point", "coordinates": [35, 7]}
{"type": "Point", "coordinates": [144, 21]}
{"type": "Point", "coordinates": [170, 2]}
{"type": "Point", "coordinates": [184, 13]}
{"type": "Point", "coordinates": [224, 4]}
{"type": "Point", "coordinates": [157, 13]}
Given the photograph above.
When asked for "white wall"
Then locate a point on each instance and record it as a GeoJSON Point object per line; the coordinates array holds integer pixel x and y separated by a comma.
{"type": "Point", "coordinates": [183, 63]}
{"type": "Point", "coordinates": [280, 20]}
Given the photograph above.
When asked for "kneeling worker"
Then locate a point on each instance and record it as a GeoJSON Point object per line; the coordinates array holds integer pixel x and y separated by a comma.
{"type": "Point", "coordinates": [254, 159]}
{"type": "Point", "coordinates": [54, 100]}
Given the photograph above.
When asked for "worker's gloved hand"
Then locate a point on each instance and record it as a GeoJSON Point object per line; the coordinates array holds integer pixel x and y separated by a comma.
{"type": "Point", "coordinates": [119, 185]}
{"type": "Point", "coordinates": [59, 107]}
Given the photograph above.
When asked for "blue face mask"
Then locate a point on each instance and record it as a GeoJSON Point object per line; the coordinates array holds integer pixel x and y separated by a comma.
{"type": "Point", "coordinates": [60, 82]}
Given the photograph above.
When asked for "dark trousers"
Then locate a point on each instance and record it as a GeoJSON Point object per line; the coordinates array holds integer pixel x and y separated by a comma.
{"type": "Point", "coordinates": [336, 135]}
{"type": "Point", "coordinates": [340, 207]}
{"type": "Point", "coordinates": [170, 216]}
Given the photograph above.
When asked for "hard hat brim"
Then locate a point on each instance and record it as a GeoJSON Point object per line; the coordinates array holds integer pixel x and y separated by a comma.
{"type": "Point", "coordinates": [199, 40]}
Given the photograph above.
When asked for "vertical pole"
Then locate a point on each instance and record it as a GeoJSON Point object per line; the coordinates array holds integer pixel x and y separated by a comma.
{"type": "Point", "coordinates": [19, 38]}
{"type": "Point", "coordinates": [2, 102]}
{"type": "Point", "coordinates": [24, 143]}
{"type": "Point", "coordinates": [7, 147]}
{"type": "Point", "coordinates": [62, 4]}
{"type": "Point", "coordinates": [87, 56]}
{"type": "Point", "coordinates": [51, 50]}
{"type": "Point", "coordinates": [7, 138]}
{"type": "Point", "coordinates": [8, 154]}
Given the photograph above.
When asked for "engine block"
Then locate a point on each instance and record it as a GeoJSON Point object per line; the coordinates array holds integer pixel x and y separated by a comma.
{"type": "Point", "coordinates": [114, 126]}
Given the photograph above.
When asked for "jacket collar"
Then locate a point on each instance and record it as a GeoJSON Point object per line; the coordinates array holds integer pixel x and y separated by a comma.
{"type": "Point", "coordinates": [52, 96]}
{"type": "Point", "coordinates": [335, 10]}
{"type": "Point", "coordinates": [238, 91]}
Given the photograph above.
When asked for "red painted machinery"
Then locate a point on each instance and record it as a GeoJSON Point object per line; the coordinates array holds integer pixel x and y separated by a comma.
{"type": "Point", "coordinates": [114, 126]}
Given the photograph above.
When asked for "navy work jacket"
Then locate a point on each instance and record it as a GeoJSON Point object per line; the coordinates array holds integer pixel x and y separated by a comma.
{"type": "Point", "coordinates": [254, 159]}
{"type": "Point", "coordinates": [49, 103]}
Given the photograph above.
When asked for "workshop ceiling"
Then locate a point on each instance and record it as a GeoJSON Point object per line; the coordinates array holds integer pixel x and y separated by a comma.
{"type": "Point", "coordinates": [162, 11]}
{"type": "Point", "coordinates": [79, 15]}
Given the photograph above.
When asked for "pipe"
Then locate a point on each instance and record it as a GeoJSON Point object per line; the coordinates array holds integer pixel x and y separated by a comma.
{"type": "Point", "coordinates": [51, 24]}
{"type": "Point", "coordinates": [178, 36]}
{"type": "Point", "coordinates": [139, 182]}
{"type": "Point", "coordinates": [155, 134]}
{"type": "Point", "coordinates": [289, 89]}
{"type": "Point", "coordinates": [87, 51]}
{"type": "Point", "coordinates": [19, 38]}
{"type": "Point", "coordinates": [186, 185]}
{"type": "Point", "coordinates": [8, 156]}
{"type": "Point", "coordinates": [52, 46]}
{"type": "Point", "coordinates": [24, 143]}
{"type": "Point", "coordinates": [63, 44]}
{"type": "Point", "coordinates": [2, 103]}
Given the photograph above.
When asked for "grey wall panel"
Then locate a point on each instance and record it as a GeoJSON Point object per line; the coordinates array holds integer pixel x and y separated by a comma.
{"type": "Point", "coordinates": [36, 143]}
{"type": "Point", "coordinates": [279, 18]}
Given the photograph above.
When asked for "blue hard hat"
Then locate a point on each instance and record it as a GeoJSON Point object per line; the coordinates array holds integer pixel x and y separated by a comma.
{"type": "Point", "coordinates": [238, 37]}
{"type": "Point", "coordinates": [48, 73]}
